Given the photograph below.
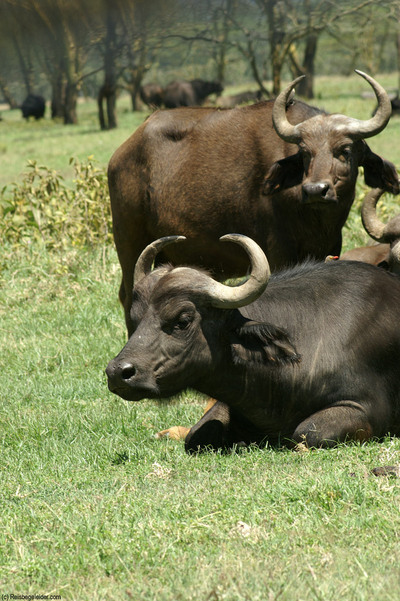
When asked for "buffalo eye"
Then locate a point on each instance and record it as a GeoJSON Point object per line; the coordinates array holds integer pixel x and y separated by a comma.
{"type": "Point", "coordinates": [183, 322]}
{"type": "Point", "coordinates": [343, 154]}
{"type": "Point", "coordinates": [179, 323]}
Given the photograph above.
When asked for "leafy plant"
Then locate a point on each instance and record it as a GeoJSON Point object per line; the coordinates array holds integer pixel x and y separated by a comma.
{"type": "Point", "coordinates": [42, 208]}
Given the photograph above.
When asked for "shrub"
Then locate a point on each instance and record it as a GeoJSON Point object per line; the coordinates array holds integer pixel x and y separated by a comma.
{"type": "Point", "coordinates": [43, 209]}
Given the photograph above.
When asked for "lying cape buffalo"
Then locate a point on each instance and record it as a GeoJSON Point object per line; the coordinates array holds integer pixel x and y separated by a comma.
{"type": "Point", "coordinates": [386, 253]}
{"type": "Point", "coordinates": [282, 174]}
{"type": "Point", "coordinates": [311, 354]}
{"type": "Point", "coordinates": [228, 102]}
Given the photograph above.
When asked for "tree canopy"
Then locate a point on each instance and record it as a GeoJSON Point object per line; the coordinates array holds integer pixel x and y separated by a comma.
{"type": "Point", "coordinates": [62, 48]}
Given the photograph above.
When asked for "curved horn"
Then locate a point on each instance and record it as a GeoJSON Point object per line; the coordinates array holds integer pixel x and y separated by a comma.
{"type": "Point", "coordinates": [146, 258]}
{"type": "Point", "coordinates": [233, 297]}
{"type": "Point", "coordinates": [372, 224]}
{"type": "Point", "coordinates": [365, 129]}
{"type": "Point", "coordinates": [284, 129]}
{"type": "Point", "coordinates": [355, 128]}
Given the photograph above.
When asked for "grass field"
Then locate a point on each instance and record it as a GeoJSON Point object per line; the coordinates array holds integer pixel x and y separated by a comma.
{"type": "Point", "coordinates": [93, 507]}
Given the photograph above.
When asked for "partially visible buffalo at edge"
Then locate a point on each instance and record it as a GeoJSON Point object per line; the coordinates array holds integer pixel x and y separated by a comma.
{"type": "Point", "coordinates": [386, 253]}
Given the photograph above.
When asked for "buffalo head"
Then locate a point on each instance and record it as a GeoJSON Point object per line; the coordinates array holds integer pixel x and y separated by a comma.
{"type": "Point", "coordinates": [175, 315]}
{"type": "Point", "coordinates": [331, 148]}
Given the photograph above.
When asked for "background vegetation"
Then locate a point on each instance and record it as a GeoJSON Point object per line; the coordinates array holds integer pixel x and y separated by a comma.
{"type": "Point", "coordinates": [67, 49]}
{"type": "Point", "coordinates": [92, 506]}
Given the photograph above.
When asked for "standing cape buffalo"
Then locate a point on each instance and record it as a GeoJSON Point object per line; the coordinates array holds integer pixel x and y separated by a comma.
{"type": "Point", "coordinates": [33, 106]}
{"type": "Point", "coordinates": [314, 356]}
{"type": "Point", "coordinates": [152, 94]}
{"type": "Point", "coordinates": [189, 93]}
{"type": "Point", "coordinates": [284, 178]}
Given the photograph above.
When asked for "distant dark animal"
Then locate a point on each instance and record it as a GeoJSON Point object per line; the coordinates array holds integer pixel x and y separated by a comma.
{"type": "Point", "coordinates": [283, 175]}
{"type": "Point", "coordinates": [311, 356]}
{"type": "Point", "coordinates": [33, 106]}
{"type": "Point", "coordinates": [152, 95]}
{"type": "Point", "coordinates": [189, 93]}
{"type": "Point", "coordinates": [386, 253]}
{"type": "Point", "coordinates": [229, 102]}
{"type": "Point", "coordinates": [395, 102]}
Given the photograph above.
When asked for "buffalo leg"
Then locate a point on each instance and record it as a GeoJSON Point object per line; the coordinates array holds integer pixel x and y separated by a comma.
{"type": "Point", "coordinates": [221, 428]}
{"type": "Point", "coordinates": [211, 432]}
{"type": "Point", "coordinates": [180, 432]}
{"type": "Point", "coordinates": [338, 423]}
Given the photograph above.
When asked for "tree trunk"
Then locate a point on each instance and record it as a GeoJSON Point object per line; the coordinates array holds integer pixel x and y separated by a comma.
{"type": "Point", "coordinates": [8, 97]}
{"type": "Point", "coordinates": [71, 98]}
{"type": "Point", "coordinates": [108, 91]}
{"type": "Point", "coordinates": [107, 119]}
{"type": "Point", "coordinates": [398, 61]}
{"type": "Point", "coordinates": [306, 86]}
{"type": "Point", "coordinates": [25, 66]}
{"type": "Point", "coordinates": [275, 17]}
{"type": "Point", "coordinates": [57, 96]}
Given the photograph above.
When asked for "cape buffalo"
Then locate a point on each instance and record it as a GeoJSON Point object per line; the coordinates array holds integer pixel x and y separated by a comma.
{"type": "Point", "coordinates": [228, 102]}
{"type": "Point", "coordinates": [33, 106]}
{"type": "Point", "coordinates": [152, 95]}
{"type": "Point", "coordinates": [311, 354]}
{"type": "Point", "coordinates": [189, 93]}
{"type": "Point", "coordinates": [386, 253]}
{"type": "Point", "coordinates": [285, 178]}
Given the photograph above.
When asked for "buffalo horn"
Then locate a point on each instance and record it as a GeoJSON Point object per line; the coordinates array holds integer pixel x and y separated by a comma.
{"type": "Point", "coordinates": [285, 130]}
{"type": "Point", "coordinates": [372, 224]}
{"type": "Point", "coordinates": [146, 258]}
{"type": "Point", "coordinates": [355, 128]}
{"type": "Point", "coordinates": [365, 129]}
{"type": "Point", "coordinates": [232, 297]}
{"type": "Point", "coordinates": [219, 295]}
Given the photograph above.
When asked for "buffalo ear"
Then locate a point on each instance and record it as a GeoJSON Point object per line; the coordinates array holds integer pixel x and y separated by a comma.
{"type": "Point", "coordinates": [380, 173]}
{"type": "Point", "coordinates": [262, 343]}
{"type": "Point", "coordinates": [285, 173]}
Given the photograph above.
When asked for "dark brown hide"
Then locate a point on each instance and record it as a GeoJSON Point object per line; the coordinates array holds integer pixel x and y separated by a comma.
{"type": "Point", "coordinates": [314, 359]}
{"type": "Point", "coordinates": [205, 172]}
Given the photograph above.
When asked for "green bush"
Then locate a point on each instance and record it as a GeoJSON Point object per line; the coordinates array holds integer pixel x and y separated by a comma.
{"type": "Point", "coordinates": [43, 209]}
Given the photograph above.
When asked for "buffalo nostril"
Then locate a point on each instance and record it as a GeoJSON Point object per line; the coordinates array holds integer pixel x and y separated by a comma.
{"type": "Point", "coordinates": [324, 189]}
{"type": "Point", "coordinates": [127, 371]}
{"type": "Point", "coordinates": [317, 189]}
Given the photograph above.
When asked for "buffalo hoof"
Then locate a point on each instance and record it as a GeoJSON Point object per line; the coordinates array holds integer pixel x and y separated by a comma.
{"type": "Point", "coordinates": [176, 433]}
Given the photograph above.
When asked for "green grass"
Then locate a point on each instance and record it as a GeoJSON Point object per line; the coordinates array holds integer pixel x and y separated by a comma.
{"type": "Point", "coordinates": [52, 143]}
{"type": "Point", "coordinates": [93, 507]}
